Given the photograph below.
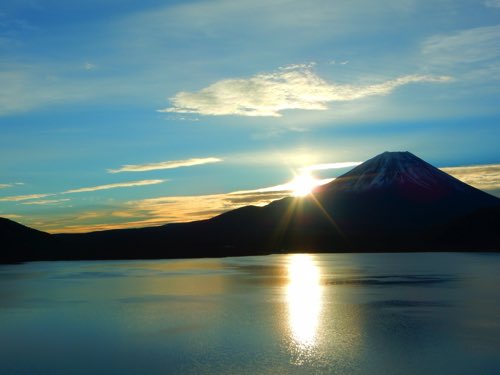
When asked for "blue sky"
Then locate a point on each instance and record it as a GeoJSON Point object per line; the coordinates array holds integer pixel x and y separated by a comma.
{"type": "Point", "coordinates": [209, 99]}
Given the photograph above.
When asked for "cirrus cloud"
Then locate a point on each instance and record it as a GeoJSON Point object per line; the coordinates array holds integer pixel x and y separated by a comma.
{"type": "Point", "coordinates": [327, 166]}
{"type": "Point", "coordinates": [469, 46]}
{"type": "Point", "coordinates": [114, 186]}
{"type": "Point", "coordinates": [18, 198]}
{"type": "Point", "coordinates": [269, 94]}
{"type": "Point", "coordinates": [172, 209]}
{"type": "Point", "coordinates": [172, 164]}
{"type": "Point", "coordinates": [492, 3]}
{"type": "Point", "coordinates": [10, 184]}
{"type": "Point", "coordinates": [485, 177]}
{"type": "Point", "coordinates": [46, 202]}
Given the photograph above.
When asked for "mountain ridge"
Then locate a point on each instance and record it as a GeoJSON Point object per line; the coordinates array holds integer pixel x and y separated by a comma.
{"type": "Point", "coordinates": [394, 201]}
{"type": "Point", "coordinates": [401, 167]}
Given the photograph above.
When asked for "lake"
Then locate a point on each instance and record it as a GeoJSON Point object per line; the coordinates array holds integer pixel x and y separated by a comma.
{"type": "Point", "coordinates": [416, 313]}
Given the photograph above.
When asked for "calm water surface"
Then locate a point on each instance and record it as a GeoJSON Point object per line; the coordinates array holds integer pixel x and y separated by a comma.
{"type": "Point", "coordinates": [279, 314]}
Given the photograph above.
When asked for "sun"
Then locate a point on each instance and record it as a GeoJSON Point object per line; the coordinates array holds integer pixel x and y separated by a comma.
{"type": "Point", "coordinates": [303, 184]}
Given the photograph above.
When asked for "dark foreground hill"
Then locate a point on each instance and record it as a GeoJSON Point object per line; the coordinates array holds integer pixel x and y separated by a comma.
{"type": "Point", "coordinates": [18, 242]}
{"type": "Point", "coordinates": [392, 202]}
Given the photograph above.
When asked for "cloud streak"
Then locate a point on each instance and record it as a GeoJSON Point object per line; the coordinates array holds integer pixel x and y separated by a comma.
{"type": "Point", "coordinates": [326, 166]}
{"type": "Point", "coordinates": [12, 216]}
{"type": "Point", "coordinates": [164, 165]}
{"type": "Point", "coordinates": [484, 177]}
{"type": "Point", "coordinates": [468, 46]}
{"type": "Point", "coordinates": [19, 198]}
{"type": "Point", "coordinates": [46, 202]}
{"type": "Point", "coordinates": [172, 209]}
{"type": "Point", "coordinates": [492, 3]}
{"type": "Point", "coordinates": [160, 211]}
{"type": "Point", "coordinates": [5, 186]}
{"type": "Point", "coordinates": [114, 186]}
{"type": "Point", "coordinates": [189, 208]}
{"type": "Point", "coordinates": [269, 94]}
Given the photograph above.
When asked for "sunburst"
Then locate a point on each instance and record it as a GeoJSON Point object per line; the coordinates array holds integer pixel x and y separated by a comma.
{"type": "Point", "coordinates": [303, 184]}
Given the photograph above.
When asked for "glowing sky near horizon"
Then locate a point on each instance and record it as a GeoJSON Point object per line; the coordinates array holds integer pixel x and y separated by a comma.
{"type": "Point", "coordinates": [123, 113]}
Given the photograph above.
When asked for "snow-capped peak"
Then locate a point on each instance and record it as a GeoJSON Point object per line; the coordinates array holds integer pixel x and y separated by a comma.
{"type": "Point", "coordinates": [395, 169]}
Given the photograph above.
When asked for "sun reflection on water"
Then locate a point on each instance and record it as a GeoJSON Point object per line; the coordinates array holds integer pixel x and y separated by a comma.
{"type": "Point", "coordinates": [304, 294]}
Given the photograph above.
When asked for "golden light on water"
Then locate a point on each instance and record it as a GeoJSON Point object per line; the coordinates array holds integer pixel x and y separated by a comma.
{"type": "Point", "coordinates": [304, 294]}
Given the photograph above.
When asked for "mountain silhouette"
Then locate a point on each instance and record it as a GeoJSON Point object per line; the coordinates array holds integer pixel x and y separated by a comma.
{"type": "Point", "coordinates": [392, 202]}
{"type": "Point", "coordinates": [20, 243]}
{"type": "Point", "coordinates": [397, 199]}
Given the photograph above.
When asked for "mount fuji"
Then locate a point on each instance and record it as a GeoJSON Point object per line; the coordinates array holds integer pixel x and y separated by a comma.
{"type": "Point", "coordinates": [392, 202]}
{"type": "Point", "coordinates": [398, 170]}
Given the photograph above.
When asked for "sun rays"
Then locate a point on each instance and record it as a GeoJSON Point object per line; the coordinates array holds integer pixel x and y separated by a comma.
{"type": "Point", "coordinates": [303, 184]}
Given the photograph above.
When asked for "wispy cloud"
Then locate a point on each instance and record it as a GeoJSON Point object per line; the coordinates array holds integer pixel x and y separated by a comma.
{"type": "Point", "coordinates": [157, 211]}
{"type": "Point", "coordinates": [11, 216]}
{"type": "Point", "coordinates": [100, 226]}
{"type": "Point", "coordinates": [89, 66]}
{"type": "Point", "coordinates": [164, 165]}
{"type": "Point", "coordinates": [269, 94]}
{"type": "Point", "coordinates": [21, 90]}
{"type": "Point", "coordinates": [485, 177]}
{"type": "Point", "coordinates": [89, 215]}
{"type": "Point", "coordinates": [326, 166]}
{"type": "Point", "coordinates": [468, 46]}
{"type": "Point", "coordinates": [4, 186]}
{"type": "Point", "coordinates": [18, 198]}
{"type": "Point", "coordinates": [47, 201]}
{"type": "Point", "coordinates": [492, 3]}
{"type": "Point", "coordinates": [114, 186]}
{"type": "Point", "coordinates": [188, 208]}
{"type": "Point", "coordinates": [171, 209]}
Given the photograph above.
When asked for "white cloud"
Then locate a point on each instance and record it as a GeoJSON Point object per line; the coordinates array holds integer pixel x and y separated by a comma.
{"type": "Point", "coordinates": [89, 66]}
{"type": "Point", "coordinates": [463, 47]}
{"type": "Point", "coordinates": [17, 90]}
{"type": "Point", "coordinates": [47, 201]}
{"type": "Point", "coordinates": [26, 87]}
{"type": "Point", "coordinates": [492, 3]}
{"type": "Point", "coordinates": [326, 166]}
{"type": "Point", "coordinates": [269, 94]}
{"type": "Point", "coordinates": [18, 198]}
{"type": "Point", "coordinates": [485, 177]}
{"type": "Point", "coordinates": [298, 66]}
{"type": "Point", "coordinates": [4, 186]}
{"type": "Point", "coordinates": [114, 186]}
{"type": "Point", "coordinates": [164, 165]}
